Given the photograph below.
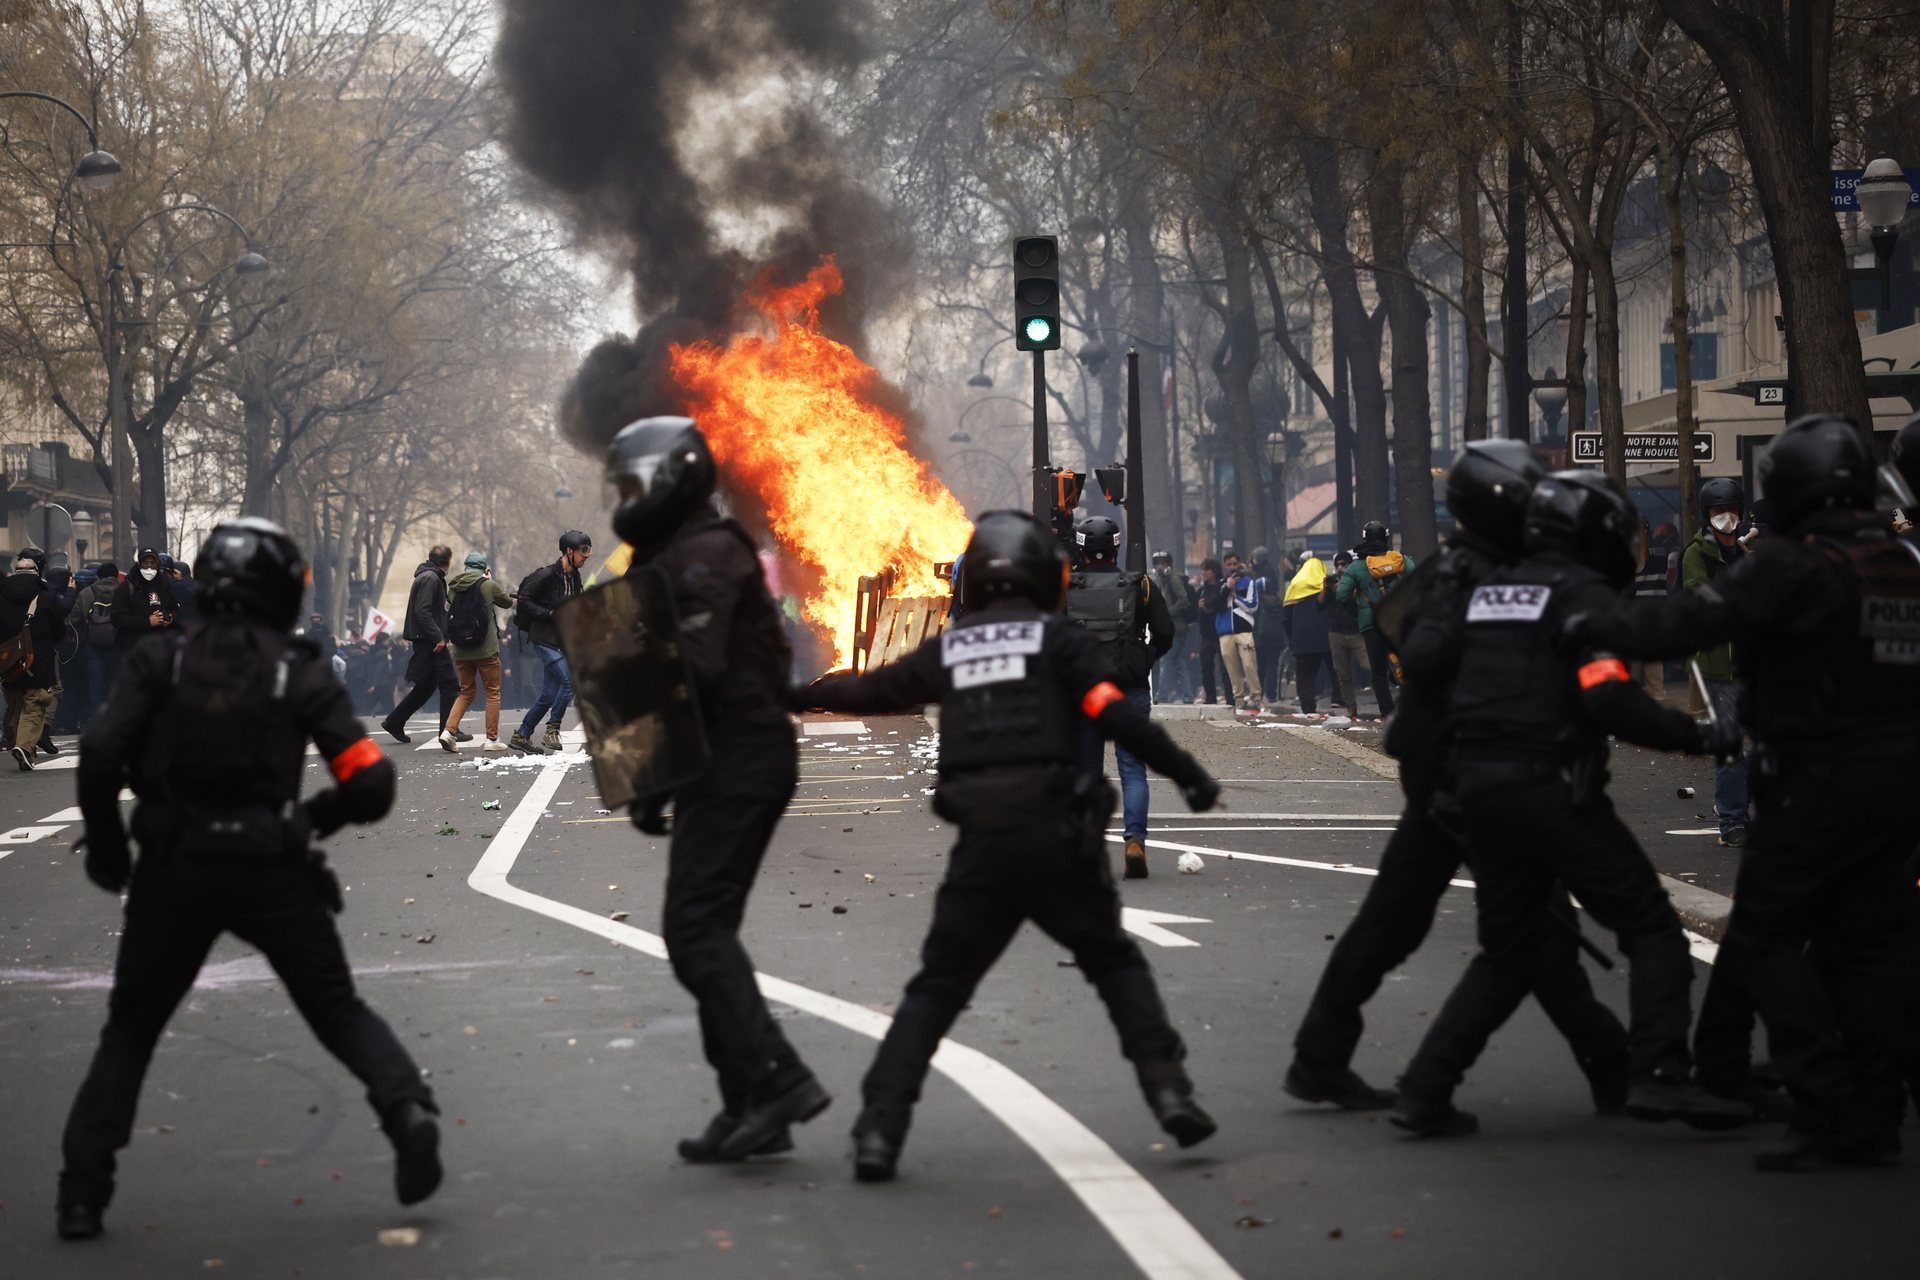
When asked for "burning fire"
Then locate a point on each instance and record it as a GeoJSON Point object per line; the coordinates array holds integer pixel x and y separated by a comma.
{"type": "Point", "coordinates": [789, 419]}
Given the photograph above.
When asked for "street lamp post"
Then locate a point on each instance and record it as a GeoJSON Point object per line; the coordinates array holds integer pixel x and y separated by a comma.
{"type": "Point", "coordinates": [118, 410]}
{"type": "Point", "coordinates": [1883, 194]}
{"type": "Point", "coordinates": [1550, 393]}
{"type": "Point", "coordinates": [97, 168]}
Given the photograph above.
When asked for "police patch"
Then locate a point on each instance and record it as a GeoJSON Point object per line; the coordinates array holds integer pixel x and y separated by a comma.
{"type": "Point", "coordinates": [1493, 603]}
{"type": "Point", "coordinates": [1890, 617]}
{"type": "Point", "coordinates": [979, 671]}
{"type": "Point", "coordinates": [991, 640]}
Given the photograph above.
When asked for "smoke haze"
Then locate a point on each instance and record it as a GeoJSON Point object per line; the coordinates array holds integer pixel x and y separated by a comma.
{"type": "Point", "coordinates": [664, 127]}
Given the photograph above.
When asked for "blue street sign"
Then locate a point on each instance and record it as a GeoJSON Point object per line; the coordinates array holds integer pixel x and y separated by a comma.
{"type": "Point", "coordinates": [1845, 180]}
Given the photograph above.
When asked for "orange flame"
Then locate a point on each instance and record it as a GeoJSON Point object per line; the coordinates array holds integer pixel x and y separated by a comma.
{"type": "Point", "coordinates": [790, 420]}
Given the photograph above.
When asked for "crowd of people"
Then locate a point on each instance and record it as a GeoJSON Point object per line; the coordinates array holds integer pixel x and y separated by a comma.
{"type": "Point", "coordinates": [1512, 648]}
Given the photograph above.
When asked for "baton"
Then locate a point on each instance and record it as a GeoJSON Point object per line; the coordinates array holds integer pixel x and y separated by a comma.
{"type": "Point", "coordinates": [1700, 683]}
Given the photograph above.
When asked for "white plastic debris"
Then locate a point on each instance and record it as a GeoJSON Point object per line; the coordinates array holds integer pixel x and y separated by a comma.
{"type": "Point", "coordinates": [1190, 864]}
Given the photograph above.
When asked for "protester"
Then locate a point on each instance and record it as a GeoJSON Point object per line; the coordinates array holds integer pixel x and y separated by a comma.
{"type": "Point", "coordinates": [145, 603]}
{"type": "Point", "coordinates": [472, 597]}
{"type": "Point", "coordinates": [1172, 675]}
{"type": "Point", "coordinates": [1270, 623]}
{"type": "Point", "coordinates": [1377, 569]}
{"type": "Point", "coordinates": [430, 669]}
{"type": "Point", "coordinates": [1213, 603]}
{"type": "Point", "coordinates": [96, 622]}
{"type": "Point", "coordinates": [1719, 545]}
{"type": "Point", "coordinates": [321, 635]}
{"type": "Point", "coordinates": [1309, 614]}
{"type": "Point", "coordinates": [29, 601]}
{"type": "Point", "coordinates": [1346, 651]}
{"type": "Point", "coordinates": [541, 592]}
{"type": "Point", "coordinates": [1236, 626]}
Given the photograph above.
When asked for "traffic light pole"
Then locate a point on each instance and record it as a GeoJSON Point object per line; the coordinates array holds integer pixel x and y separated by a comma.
{"type": "Point", "coordinates": [1136, 503]}
{"type": "Point", "coordinates": [1042, 485]}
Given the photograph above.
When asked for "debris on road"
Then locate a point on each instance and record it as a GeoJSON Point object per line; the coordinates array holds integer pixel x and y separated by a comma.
{"type": "Point", "coordinates": [1685, 793]}
{"type": "Point", "coordinates": [839, 911]}
{"type": "Point", "coordinates": [869, 876]}
{"type": "Point", "coordinates": [399, 1237]}
{"type": "Point", "coordinates": [425, 938]}
{"type": "Point", "coordinates": [616, 915]}
{"type": "Point", "coordinates": [489, 804]}
{"type": "Point", "coordinates": [1190, 864]}
{"type": "Point", "coordinates": [1250, 1222]}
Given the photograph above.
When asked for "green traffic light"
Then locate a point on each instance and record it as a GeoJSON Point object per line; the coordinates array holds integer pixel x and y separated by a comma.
{"type": "Point", "coordinates": [1039, 329]}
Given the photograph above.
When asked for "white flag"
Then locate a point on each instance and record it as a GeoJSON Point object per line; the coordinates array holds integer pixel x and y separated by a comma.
{"type": "Point", "coordinates": [376, 623]}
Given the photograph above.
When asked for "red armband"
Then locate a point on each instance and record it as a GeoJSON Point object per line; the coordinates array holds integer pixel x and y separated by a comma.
{"type": "Point", "coordinates": [355, 758]}
{"type": "Point", "coordinates": [1601, 670]}
{"type": "Point", "coordinates": [1099, 698]}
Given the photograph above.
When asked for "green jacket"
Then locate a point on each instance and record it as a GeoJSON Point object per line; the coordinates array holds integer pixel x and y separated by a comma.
{"type": "Point", "coordinates": [1701, 563]}
{"type": "Point", "coordinates": [1357, 589]}
{"type": "Point", "coordinates": [495, 595]}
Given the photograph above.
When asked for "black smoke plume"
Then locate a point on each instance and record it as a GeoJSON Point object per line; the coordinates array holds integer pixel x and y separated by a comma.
{"type": "Point", "coordinates": [597, 91]}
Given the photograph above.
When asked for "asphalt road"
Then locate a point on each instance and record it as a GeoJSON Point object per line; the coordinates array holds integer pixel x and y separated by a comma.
{"type": "Point", "coordinates": [568, 1061]}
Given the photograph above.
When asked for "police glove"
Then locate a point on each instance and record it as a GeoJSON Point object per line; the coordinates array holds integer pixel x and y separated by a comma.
{"type": "Point", "coordinates": [109, 863]}
{"type": "Point", "coordinates": [1202, 792]}
{"type": "Point", "coordinates": [1723, 740]}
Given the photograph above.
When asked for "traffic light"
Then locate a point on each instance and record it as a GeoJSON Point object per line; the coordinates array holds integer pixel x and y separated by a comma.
{"type": "Point", "coordinates": [1036, 294]}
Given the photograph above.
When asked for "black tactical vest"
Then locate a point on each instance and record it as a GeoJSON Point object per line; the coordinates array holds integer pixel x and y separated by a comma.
{"type": "Point", "coordinates": [1003, 703]}
{"type": "Point", "coordinates": [1106, 605]}
{"type": "Point", "coordinates": [1852, 674]}
{"type": "Point", "coordinates": [219, 772]}
{"type": "Point", "coordinates": [1515, 689]}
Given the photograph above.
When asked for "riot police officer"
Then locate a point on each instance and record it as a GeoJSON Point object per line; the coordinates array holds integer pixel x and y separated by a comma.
{"type": "Point", "coordinates": [1130, 620]}
{"type": "Point", "coordinates": [1825, 622]}
{"type": "Point", "coordinates": [1530, 713]}
{"type": "Point", "coordinates": [723, 819]}
{"type": "Point", "coordinates": [210, 729]}
{"type": "Point", "coordinates": [1014, 684]}
{"type": "Point", "coordinates": [1487, 492]}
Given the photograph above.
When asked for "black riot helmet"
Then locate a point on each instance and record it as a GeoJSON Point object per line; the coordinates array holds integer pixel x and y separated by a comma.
{"type": "Point", "coordinates": [1098, 538]}
{"type": "Point", "coordinates": [1818, 463]}
{"type": "Point", "coordinates": [664, 473]}
{"type": "Point", "coordinates": [575, 540]}
{"type": "Point", "coordinates": [1905, 453]}
{"type": "Point", "coordinates": [1584, 515]}
{"type": "Point", "coordinates": [1721, 491]}
{"type": "Point", "coordinates": [253, 568]}
{"type": "Point", "coordinates": [1012, 554]}
{"type": "Point", "coordinates": [1375, 539]}
{"type": "Point", "coordinates": [1488, 488]}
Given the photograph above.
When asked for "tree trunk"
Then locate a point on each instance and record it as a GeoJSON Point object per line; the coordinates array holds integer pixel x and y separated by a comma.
{"type": "Point", "coordinates": [1407, 317]}
{"type": "Point", "coordinates": [1785, 132]}
{"type": "Point", "coordinates": [1241, 348]}
{"type": "Point", "coordinates": [1148, 321]}
{"type": "Point", "coordinates": [1473, 298]}
{"type": "Point", "coordinates": [1353, 328]}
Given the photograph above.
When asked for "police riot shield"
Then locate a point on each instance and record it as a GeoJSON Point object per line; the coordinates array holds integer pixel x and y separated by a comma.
{"type": "Point", "coordinates": [632, 686]}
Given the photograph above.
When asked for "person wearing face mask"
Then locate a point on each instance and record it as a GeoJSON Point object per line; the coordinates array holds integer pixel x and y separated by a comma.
{"type": "Point", "coordinates": [145, 603]}
{"type": "Point", "coordinates": [28, 600]}
{"type": "Point", "coordinates": [1714, 550]}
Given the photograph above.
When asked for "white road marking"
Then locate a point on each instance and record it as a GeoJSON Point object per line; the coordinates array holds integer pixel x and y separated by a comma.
{"type": "Point", "coordinates": [1705, 951]}
{"type": "Point", "coordinates": [65, 815]}
{"type": "Point", "coordinates": [1696, 831]}
{"type": "Point", "coordinates": [1348, 868]}
{"type": "Point", "coordinates": [1231, 816]}
{"type": "Point", "coordinates": [1146, 924]}
{"type": "Point", "coordinates": [1162, 1243]}
{"type": "Point", "coordinates": [1237, 830]}
{"type": "Point", "coordinates": [67, 759]}
{"type": "Point", "coordinates": [813, 728]}
{"type": "Point", "coordinates": [5, 852]}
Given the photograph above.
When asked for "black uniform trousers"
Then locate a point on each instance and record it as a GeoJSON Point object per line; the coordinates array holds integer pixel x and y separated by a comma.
{"type": "Point", "coordinates": [1420, 859]}
{"type": "Point", "coordinates": [1819, 906]}
{"type": "Point", "coordinates": [175, 910]}
{"type": "Point", "coordinates": [722, 822]}
{"type": "Point", "coordinates": [430, 671]}
{"type": "Point", "coordinates": [1048, 872]}
{"type": "Point", "coordinates": [1527, 833]}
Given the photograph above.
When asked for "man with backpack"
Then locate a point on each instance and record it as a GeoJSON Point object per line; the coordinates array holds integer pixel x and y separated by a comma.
{"type": "Point", "coordinates": [431, 666]}
{"type": "Point", "coordinates": [103, 659]}
{"type": "Point", "coordinates": [472, 597]}
{"type": "Point", "coordinates": [1376, 570]}
{"type": "Point", "coordinates": [541, 592]}
{"type": "Point", "coordinates": [33, 613]}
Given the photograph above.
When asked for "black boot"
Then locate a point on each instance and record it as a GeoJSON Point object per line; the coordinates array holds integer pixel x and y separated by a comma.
{"type": "Point", "coordinates": [1344, 1088]}
{"type": "Point", "coordinates": [414, 1130]}
{"type": "Point", "coordinates": [1434, 1117]}
{"type": "Point", "coordinates": [1169, 1096]}
{"type": "Point", "coordinates": [705, 1149]}
{"type": "Point", "coordinates": [1658, 1098]}
{"type": "Point", "coordinates": [875, 1152]}
{"type": "Point", "coordinates": [78, 1221]}
{"type": "Point", "coordinates": [398, 731]}
{"type": "Point", "coordinates": [762, 1121]}
{"type": "Point", "coordinates": [79, 1204]}
{"type": "Point", "coordinates": [1609, 1080]}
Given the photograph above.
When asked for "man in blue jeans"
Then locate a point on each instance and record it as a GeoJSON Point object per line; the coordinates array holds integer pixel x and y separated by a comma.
{"type": "Point", "coordinates": [1132, 620]}
{"type": "Point", "coordinates": [541, 592]}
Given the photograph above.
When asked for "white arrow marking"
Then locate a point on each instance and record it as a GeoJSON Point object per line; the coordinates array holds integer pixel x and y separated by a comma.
{"type": "Point", "coordinates": [1146, 924]}
{"type": "Point", "coordinates": [27, 835]}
